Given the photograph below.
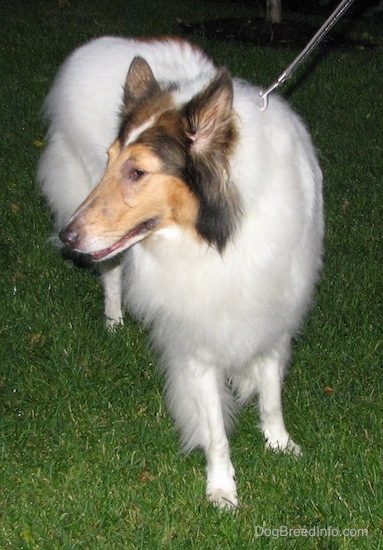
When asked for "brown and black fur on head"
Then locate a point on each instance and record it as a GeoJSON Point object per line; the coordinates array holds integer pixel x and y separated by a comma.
{"type": "Point", "coordinates": [169, 165]}
{"type": "Point", "coordinates": [194, 144]}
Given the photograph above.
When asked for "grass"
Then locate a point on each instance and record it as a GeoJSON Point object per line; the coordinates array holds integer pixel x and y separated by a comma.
{"type": "Point", "coordinates": [88, 454]}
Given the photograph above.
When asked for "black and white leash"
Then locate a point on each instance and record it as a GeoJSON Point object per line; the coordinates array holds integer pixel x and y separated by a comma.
{"type": "Point", "coordinates": [316, 39]}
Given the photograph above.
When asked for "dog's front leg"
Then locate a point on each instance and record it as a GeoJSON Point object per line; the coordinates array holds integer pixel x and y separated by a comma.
{"type": "Point", "coordinates": [111, 277]}
{"type": "Point", "coordinates": [221, 487]}
{"type": "Point", "coordinates": [270, 403]}
{"type": "Point", "coordinates": [198, 400]}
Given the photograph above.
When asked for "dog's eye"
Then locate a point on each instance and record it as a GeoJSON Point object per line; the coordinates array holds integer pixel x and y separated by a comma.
{"type": "Point", "coordinates": [130, 172]}
{"type": "Point", "coordinates": [135, 175]}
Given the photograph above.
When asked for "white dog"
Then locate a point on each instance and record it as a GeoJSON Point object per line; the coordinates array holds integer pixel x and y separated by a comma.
{"type": "Point", "coordinates": [204, 214]}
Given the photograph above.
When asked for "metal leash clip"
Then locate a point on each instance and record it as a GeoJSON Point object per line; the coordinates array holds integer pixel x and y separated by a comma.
{"type": "Point", "coordinates": [263, 101]}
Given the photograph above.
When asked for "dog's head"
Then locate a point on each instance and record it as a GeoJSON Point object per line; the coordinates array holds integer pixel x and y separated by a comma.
{"type": "Point", "coordinates": [169, 165]}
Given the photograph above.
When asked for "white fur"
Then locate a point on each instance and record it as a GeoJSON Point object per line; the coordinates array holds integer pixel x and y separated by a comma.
{"type": "Point", "coordinates": [222, 322]}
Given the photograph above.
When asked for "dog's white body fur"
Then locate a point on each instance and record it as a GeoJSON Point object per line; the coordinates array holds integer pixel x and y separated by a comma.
{"type": "Point", "coordinates": [216, 317]}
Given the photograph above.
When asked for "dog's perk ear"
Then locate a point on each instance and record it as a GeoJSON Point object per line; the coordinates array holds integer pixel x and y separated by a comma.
{"type": "Point", "coordinates": [209, 115]}
{"type": "Point", "coordinates": [211, 130]}
{"type": "Point", "coordinates": [140, 82]}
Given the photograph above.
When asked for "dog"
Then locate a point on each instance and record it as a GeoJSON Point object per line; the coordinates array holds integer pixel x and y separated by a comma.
{"type": "Point", "coordinates": [204, 215]}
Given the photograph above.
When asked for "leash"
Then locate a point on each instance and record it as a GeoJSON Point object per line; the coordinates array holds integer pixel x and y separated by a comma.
{"type": "Point", "coordinates": [316, 39]}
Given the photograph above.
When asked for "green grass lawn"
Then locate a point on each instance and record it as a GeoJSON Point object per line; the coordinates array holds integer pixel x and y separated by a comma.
{"type": "Point", "coordinates": [89, 458]}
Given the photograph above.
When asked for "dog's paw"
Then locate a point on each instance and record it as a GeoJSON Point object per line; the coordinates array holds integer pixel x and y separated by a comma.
{"type": "Point", "coordinates": [284, 446]}
{"type": "Point", "coordinates": [113, 324]}
{"type": "Point", "coordinates": [225, 500]}
{"type": "Point", "coordinates": [221, 488]}
{"type": "Point", "coordinates": [293, 449]}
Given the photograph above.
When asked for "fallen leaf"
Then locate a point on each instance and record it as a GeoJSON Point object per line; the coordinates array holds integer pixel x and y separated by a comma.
{"type": "Point", "coordinates": [145, 475]}
{"type": "Point", "coordinates": [36, 338]}
{"type": "Point", "coordinates": [345, 206]}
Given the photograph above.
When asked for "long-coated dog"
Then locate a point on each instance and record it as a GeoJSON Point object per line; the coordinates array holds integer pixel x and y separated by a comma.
{"type": "Point", "coordinates": [204, 215]}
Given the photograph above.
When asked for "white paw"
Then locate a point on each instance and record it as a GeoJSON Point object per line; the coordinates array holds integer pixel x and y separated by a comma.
{"type": "Point", "coordinates": [221, 489]}
{"type": "Point", "coordinates": [113, 324]}
{"type": "Point", "coordinates": [224, 499]}
{"type": "Point", "coordinates": [286, 446]}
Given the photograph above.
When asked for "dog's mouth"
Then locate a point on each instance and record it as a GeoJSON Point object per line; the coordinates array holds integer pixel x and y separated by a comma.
{"type": "Point", "coordinates": [137, 233]}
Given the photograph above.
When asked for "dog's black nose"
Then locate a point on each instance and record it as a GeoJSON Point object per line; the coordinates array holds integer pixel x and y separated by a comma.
{"type": "Point", "coordinates": [69, 236]}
